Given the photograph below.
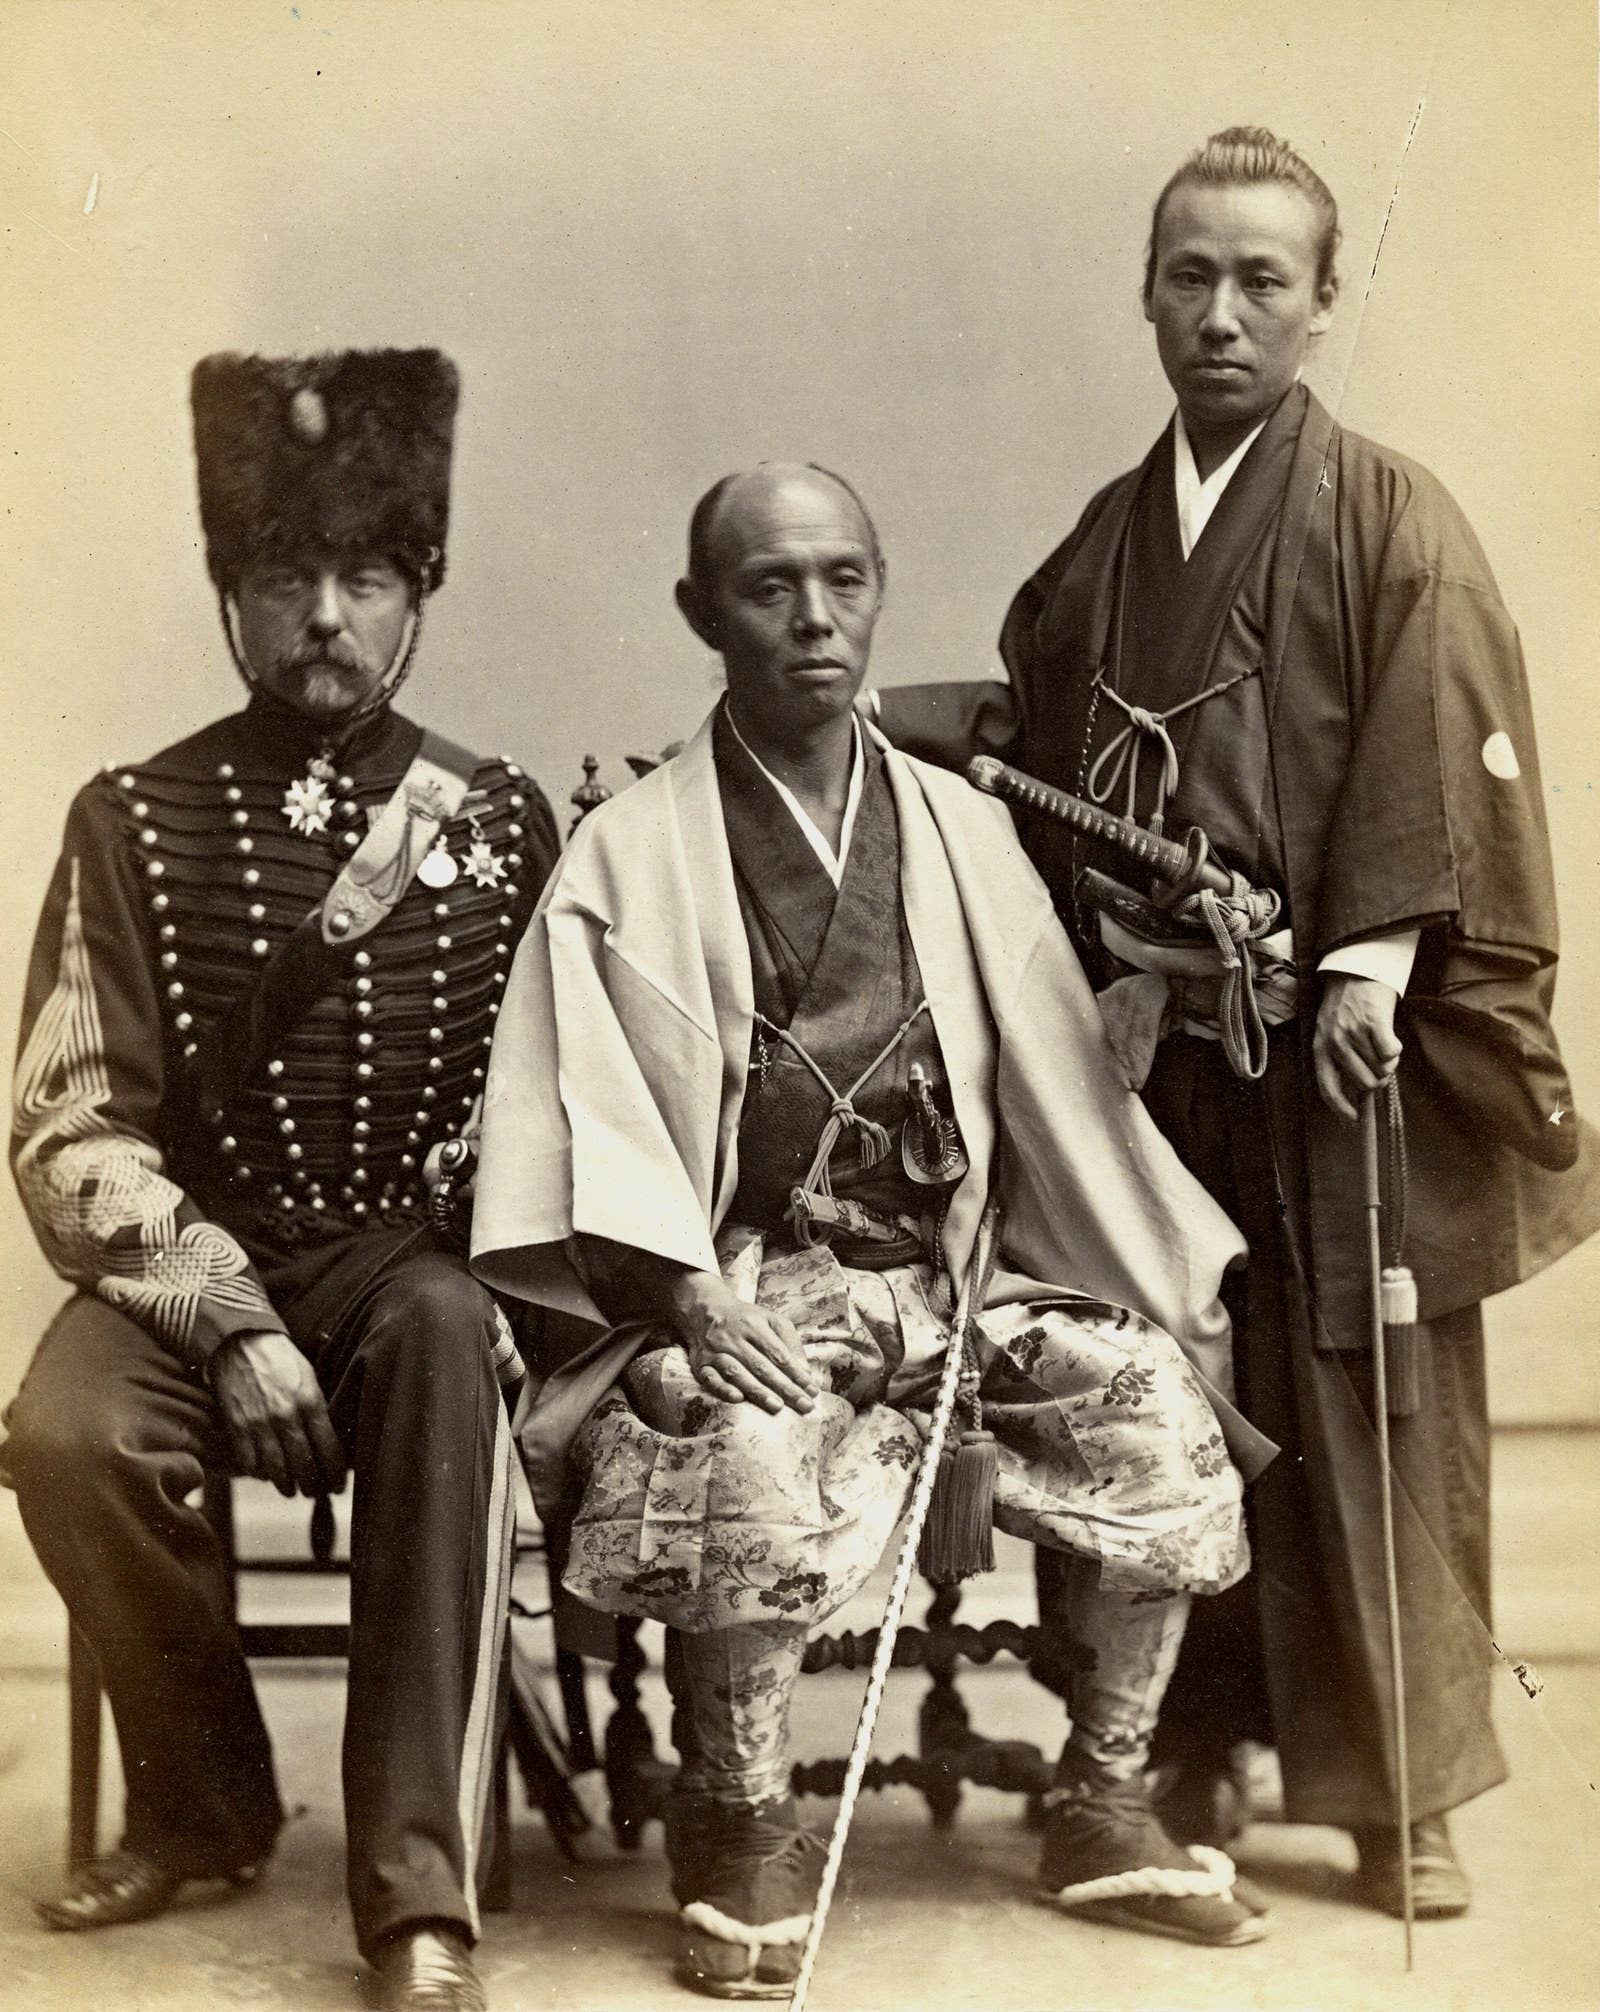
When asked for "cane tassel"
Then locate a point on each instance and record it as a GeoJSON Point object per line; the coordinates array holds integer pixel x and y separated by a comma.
{"type": "Point", "coordinates": [1402, 1345]}
{"type": "Point", "coordinates": [1401, 1348]}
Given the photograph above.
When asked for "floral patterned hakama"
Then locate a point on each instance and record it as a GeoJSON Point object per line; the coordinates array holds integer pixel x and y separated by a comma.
{"type": "Point", "coordinates": [705, 1514]}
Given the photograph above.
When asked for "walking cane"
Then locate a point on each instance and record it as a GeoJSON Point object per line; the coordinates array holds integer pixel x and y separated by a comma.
{"type": "Point", "coordinates": [1373, 1198]}
{"type": "Point", "coordinates": [983, 1255]}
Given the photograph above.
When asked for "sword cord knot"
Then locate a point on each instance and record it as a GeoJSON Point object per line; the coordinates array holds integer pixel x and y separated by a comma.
{"type": "Point", "coordinates": [1235, 921]}
{"type": "Point", "coordinates": [873, 1141]}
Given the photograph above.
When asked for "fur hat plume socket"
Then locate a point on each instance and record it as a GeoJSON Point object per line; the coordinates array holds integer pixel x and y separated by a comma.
{"type": "Point", "coordinates": [343, 453]}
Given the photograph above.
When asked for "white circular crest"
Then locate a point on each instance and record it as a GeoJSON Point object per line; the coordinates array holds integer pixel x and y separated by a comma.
{"type": "Point", "coordinates": [1500, 757]}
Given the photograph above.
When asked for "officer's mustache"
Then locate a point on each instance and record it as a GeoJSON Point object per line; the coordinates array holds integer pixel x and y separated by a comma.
{"type": "Point", "coordinates": [322, 657]}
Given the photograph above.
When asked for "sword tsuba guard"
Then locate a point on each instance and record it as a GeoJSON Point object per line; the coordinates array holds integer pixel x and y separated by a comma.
{"type": "Point", "coordinates": [931, 1151]}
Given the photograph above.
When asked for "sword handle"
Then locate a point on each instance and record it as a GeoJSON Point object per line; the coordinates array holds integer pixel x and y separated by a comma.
{"type": "Point", "coordinates": [1183, 867]}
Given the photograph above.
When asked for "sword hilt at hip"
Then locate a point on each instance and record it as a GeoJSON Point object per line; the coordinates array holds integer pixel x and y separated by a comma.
{"type": "Point", "coordinates": [1179, 871]}
{"type": "Point", "coordinates": [1182, 869]}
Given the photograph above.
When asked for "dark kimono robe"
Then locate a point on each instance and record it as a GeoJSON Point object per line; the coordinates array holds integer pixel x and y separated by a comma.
{"type": "Point", "coordinates": [837, 970]}
{"type": "Point", "coordinates": [1375, 763]}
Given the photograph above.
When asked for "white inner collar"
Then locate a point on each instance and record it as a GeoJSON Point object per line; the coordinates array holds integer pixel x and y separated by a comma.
{"type": "Point", "coordinates": [1197, 499]}
{"type": "Point", "coordinates": [832, 862]}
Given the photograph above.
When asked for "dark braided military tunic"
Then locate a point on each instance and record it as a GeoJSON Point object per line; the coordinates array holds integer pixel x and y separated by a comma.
{"type": "Point", "coordinates": [180, 878]}
{"type": "Point", "coordinates": [297, 1204]}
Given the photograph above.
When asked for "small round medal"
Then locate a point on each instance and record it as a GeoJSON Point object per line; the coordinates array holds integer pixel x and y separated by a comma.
{"type": "Point", "coordinates": [438, 869]}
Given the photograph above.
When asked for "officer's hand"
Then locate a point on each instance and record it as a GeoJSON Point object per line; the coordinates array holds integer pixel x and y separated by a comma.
{"type": "Point", "coordinates": [1355, 1047]}
{"type": "Point", "coordinates": [738, 1351]}
{"type": "Point", "coordinates": [276, 1421]}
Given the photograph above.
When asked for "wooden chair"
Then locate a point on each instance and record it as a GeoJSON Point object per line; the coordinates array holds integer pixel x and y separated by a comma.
{"type": "Point", "coordinates": [949, 1752]}
{"type": "Point", "coordinates": [545, 1755]}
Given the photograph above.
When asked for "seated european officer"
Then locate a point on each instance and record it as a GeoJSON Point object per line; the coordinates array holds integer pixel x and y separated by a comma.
{"type": "Point", "coordinates": [791, 1009]}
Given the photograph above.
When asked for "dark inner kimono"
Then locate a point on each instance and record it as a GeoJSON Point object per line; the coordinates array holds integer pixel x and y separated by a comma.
{"type": "Point", "coordinates": [1190, 636]}
{"type": "Point", "coordinates": [836, 969]}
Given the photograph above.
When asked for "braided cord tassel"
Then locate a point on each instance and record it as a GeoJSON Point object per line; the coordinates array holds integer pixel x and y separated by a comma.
{"type": "Point", "coordinates": [958, 1537]}
{"type": "Point", "coordinates": [1398, 1288]}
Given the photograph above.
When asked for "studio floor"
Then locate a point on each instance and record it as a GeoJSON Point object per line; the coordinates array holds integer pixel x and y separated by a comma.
{"type": "Point", "coordinates": [926, 1920]}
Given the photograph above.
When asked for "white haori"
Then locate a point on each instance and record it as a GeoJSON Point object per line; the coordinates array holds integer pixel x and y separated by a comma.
{"type": "Point", "coordinates": [622, 1048]}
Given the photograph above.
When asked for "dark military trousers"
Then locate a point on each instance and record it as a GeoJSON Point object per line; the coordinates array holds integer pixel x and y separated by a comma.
{"type": "Point", "coordinates": [107, 1441]}
{"type": "Point", "coordinates": [1297, 1654]}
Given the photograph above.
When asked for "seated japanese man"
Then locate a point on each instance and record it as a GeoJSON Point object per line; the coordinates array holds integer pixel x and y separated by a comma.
{"type": "Point", "coordinates": [794, 1007]}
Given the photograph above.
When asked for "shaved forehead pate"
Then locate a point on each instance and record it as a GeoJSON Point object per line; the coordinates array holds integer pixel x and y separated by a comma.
{"type": "Point", "coordinates": [770, 498]}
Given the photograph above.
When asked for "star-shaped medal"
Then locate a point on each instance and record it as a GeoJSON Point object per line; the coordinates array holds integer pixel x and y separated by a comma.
{"type": "Point", "coordinates": [482, 865]}
{"type": "Point", "coordinates": [308, 805]}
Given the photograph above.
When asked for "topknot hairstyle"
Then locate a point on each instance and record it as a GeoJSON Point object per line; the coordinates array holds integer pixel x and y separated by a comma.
{"type": "Point", "coordinates": [1237, 158]}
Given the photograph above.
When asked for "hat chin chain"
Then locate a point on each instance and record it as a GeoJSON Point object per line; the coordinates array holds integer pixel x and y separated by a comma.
{"type": "Point", "coordinates": [393, 678]}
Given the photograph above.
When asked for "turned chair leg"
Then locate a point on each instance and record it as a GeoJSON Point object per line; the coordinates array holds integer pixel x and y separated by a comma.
{"type": "Point", "coordinates": [944, 1730]}
{"type": "Point", "coordinates": [636, 1781]}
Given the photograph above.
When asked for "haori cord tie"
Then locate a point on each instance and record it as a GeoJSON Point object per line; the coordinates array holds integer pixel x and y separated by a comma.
{"type": "Point", "coordinates": [813, 1225]}
{"type": "Point", "coordinates": [1120, 755]}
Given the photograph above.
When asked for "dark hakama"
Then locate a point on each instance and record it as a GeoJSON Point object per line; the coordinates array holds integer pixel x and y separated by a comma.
{"type": "Point", "coordinates": [1298, 1655]}
{"type": "Point", "coordinates": [1359, 766]}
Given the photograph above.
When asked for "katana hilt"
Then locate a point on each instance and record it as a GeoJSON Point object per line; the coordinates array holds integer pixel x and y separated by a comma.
{"type": "Point", "coordinates": [1198, 873]}
{"type": "Point", "coordinates": [1184, 869]}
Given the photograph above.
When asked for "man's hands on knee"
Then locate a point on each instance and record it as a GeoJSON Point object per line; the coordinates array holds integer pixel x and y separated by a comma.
{"type": "Point", "coordinates": [737, 1351]}
{"type": "Point", "coordinates": [1355, 1047]}
{"type": "Point", "coordinates": [273, 1411]}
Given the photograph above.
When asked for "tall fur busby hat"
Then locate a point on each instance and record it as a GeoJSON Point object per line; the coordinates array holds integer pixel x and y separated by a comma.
{"type": "Point", "coordinates": [345, 452]}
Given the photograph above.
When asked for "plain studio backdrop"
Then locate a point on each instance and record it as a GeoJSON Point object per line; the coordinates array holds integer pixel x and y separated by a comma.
{"type": "Point", "coordinates": [666, 238]}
